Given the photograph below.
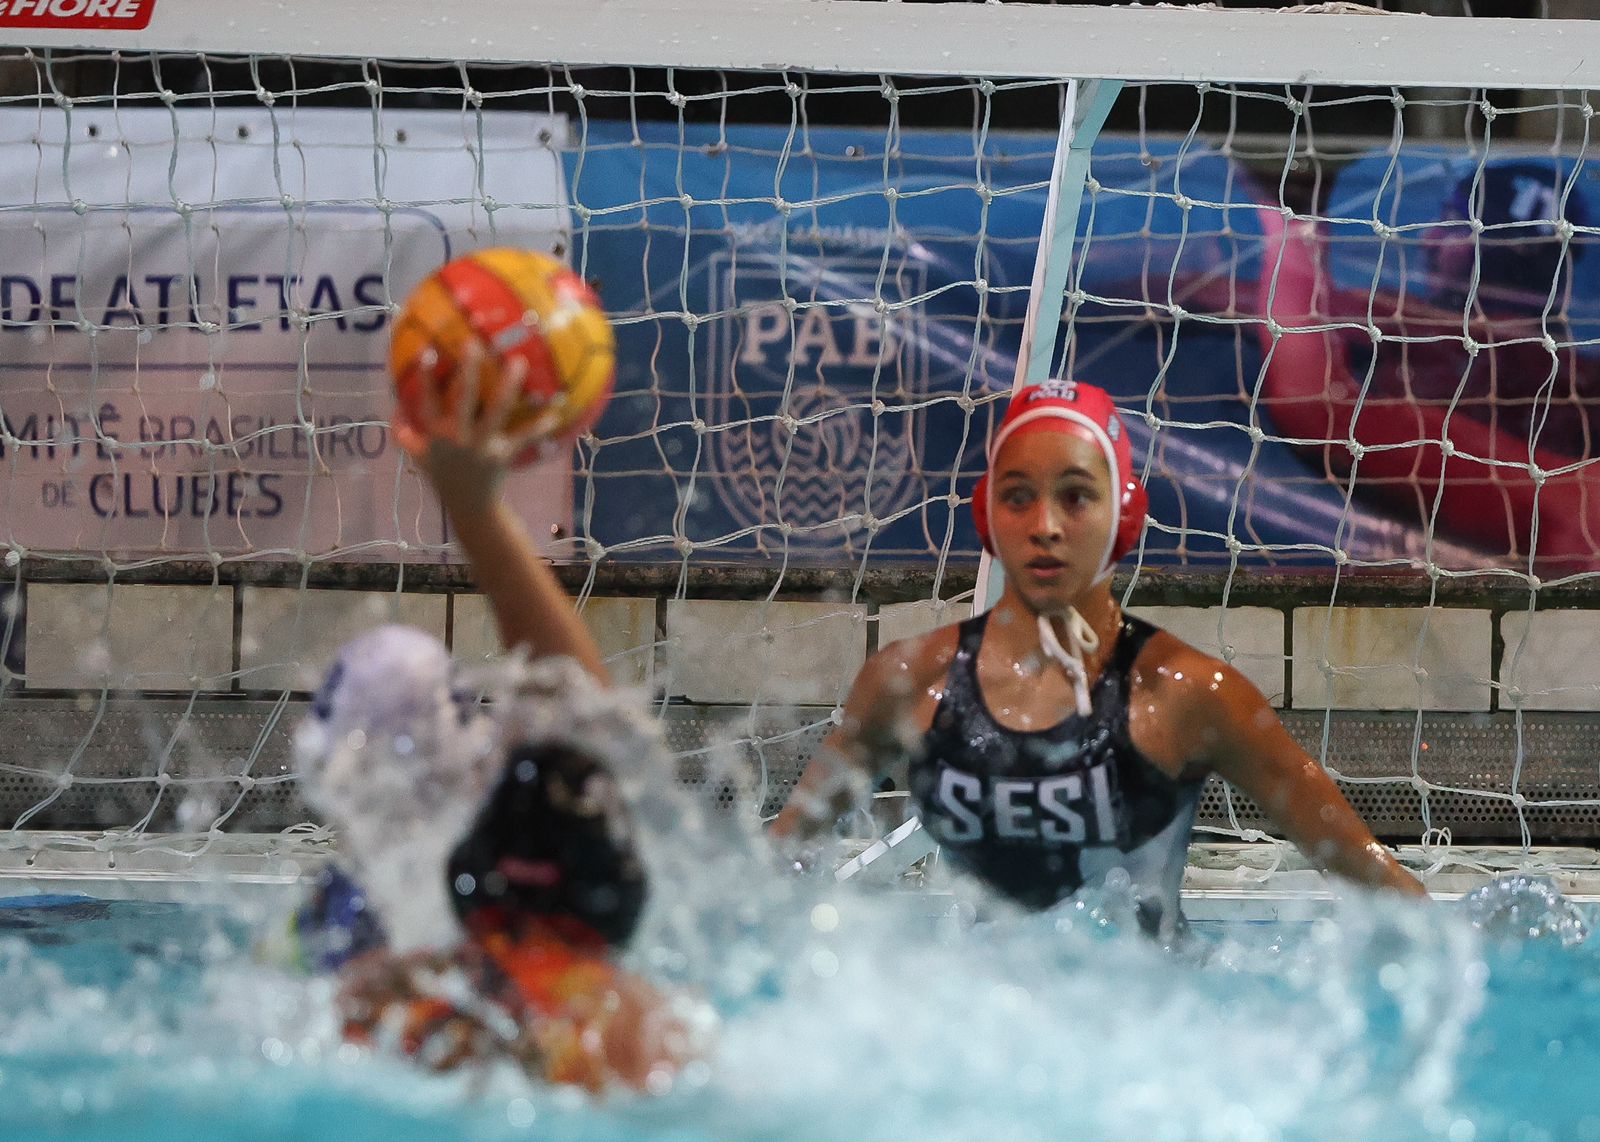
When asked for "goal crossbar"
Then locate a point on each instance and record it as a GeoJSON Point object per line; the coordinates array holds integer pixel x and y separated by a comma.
{"type": "Point", "coordinates": [851, 36]}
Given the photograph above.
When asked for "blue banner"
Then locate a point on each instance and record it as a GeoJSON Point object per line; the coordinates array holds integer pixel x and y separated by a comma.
{"type": "Point", "coordinates": [816, 329]}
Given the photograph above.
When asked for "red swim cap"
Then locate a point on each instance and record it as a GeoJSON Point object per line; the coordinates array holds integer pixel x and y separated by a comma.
{"type": "Point", "coordinates": [1055, 405]}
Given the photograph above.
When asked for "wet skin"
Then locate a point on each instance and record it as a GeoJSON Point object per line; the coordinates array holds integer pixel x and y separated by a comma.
{"type": "Point", "coordinates": [1189, 714]}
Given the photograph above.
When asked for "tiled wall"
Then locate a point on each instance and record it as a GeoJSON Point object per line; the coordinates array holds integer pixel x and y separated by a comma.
{"type": "Point", "coordinates": [225, 638]}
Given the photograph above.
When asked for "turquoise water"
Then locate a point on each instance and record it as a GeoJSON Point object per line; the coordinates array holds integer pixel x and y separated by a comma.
{"type": "Point", "coordinates": [847, 1017]}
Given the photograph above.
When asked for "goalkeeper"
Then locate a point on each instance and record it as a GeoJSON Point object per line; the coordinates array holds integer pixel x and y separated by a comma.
{"type": "Point", "coordinates": [1054, 742]}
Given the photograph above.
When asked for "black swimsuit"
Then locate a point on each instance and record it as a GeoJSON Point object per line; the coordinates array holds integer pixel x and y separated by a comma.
{"type": "Point", "coordinates": [1039, 814]}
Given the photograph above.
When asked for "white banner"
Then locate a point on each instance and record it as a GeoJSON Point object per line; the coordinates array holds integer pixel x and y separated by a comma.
{"type": "Point", "coordinates": [194, 321]}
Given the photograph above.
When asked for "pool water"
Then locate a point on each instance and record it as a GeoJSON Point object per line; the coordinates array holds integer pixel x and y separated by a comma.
{"type": "Point", "coordinates": [845, 1016]}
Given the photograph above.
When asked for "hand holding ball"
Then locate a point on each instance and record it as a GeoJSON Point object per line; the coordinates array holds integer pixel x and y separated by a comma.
{"type": "Point", "coordinates": [499, 318]}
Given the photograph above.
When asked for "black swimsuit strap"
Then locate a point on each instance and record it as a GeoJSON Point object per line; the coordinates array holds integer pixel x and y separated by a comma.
{"type": "Point", "coordinates": [961, 679]}
{"type": "Point", "coordinates": [971, 637]}
{"type": "Point", "coordinates": [1131, 637]}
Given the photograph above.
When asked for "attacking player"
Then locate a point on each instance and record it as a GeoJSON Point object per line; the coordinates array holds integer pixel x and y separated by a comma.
{"type": "Point", "coordinates": [1055, 741]}
{"type": "Point", "coordinates": [510, 820]}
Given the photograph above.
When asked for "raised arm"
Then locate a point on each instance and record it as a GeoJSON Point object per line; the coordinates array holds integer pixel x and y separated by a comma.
{"type": "Point", "coordinates": [1250, 749]}
{"type": "Point", "coordinates": [465, 451]}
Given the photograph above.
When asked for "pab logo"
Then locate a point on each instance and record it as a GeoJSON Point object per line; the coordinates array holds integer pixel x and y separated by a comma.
{"type": "Point", "coordinates": [128, 15]}
{"type": "Point", "coordinates": [817, 394]}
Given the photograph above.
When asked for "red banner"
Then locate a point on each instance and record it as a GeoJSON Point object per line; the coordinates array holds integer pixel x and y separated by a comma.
{"type": "Point", "coordinates": [111, 14]}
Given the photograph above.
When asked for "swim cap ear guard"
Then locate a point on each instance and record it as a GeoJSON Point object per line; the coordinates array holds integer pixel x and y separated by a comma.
{"type": "Point", "coordinates": [1058, 403]}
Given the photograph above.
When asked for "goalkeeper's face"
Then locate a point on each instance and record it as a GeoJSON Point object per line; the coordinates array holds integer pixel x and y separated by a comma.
{"type": "Point", "coordinates": [1052, 512]}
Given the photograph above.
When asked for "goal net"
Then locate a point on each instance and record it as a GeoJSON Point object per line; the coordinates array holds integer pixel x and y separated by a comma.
{"type": "Point", "coordinates": [1337, 270]}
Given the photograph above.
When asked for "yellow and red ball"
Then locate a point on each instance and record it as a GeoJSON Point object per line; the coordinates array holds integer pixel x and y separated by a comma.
{"type": "Point", "coordinates": [515, 305]}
